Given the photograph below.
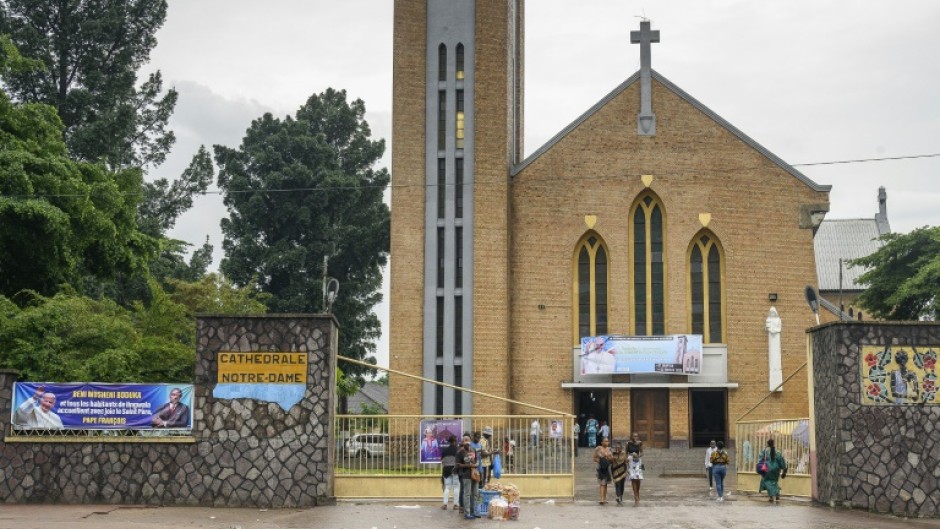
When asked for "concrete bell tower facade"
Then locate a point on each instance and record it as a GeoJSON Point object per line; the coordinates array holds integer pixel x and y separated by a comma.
{"type": "Point", "coordinates": [457, 131]}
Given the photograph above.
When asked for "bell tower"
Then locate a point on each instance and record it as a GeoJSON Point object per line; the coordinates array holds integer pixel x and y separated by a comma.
{"type": "Point", "coordinates": [457, 129]}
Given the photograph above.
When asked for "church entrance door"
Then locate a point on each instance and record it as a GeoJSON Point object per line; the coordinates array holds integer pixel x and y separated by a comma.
{"type": "Point", "coordinates": [709, 416]}
{"type": "Point", "coordinates": [649, 410]}
{"type": "Point", "coordinates": [591, 402]}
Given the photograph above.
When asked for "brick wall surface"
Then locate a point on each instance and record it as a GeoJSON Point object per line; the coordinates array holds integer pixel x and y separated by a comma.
{"type": "Point", "coordinates": [408, 199]}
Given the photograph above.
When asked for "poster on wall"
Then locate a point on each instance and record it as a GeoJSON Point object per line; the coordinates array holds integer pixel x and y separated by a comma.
{"type": "Point", "coordinates": [93, 406]}
{"type": "Point", "coordinates": [898, 375]}
{"type": "Point", "coordinates": [555, 430]}
{"type": "Point", "coordinates": [608, 355]}
{"type": "Point", "coordinates": [435, 435]}
{"type": "Point", "coordinates": [272, 376]}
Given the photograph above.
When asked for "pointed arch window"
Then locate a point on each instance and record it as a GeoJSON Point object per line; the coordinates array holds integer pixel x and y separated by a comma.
{"type": "Point", "coordinates": [459, 62]}
{"type": "Point", "coordinates": [648, 267]}
{"type": "Point", "coordinates": [591, 279]}
{"type": "Point", "coordinates": [706, 287]}
{"type": "Point", "coordinates": [442, 63]}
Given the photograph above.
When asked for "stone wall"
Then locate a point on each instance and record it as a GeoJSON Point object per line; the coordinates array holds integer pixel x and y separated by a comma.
{"type": "Point", "coordinates": [880, 458]}
{"type": "Point", "coordinates": [242, 453]}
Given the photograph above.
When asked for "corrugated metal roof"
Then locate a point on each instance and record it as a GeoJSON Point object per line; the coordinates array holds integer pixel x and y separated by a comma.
{"type": "Point", "coordinates": [843, 239]}
{"type": "Point", "coordinates": [370, 393]}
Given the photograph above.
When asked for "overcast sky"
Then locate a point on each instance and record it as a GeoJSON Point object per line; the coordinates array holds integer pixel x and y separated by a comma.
{"type": "Point", "coordinates": [810, 80]}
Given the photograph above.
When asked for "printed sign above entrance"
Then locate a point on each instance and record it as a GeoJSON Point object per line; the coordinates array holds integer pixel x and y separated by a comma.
{"type": "Point", "coordinates": [607, 355]}
{"type": "Point", "coordinates": [273, 376]}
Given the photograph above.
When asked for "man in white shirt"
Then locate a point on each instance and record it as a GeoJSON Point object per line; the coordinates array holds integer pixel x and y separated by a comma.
{"type": "Point", "coordinates": [37, 412]}
{"type": "Point", "coordinates": [534, 432]}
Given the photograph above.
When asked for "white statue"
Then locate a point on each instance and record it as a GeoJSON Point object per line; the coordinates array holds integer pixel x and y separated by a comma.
{"type": "Point", "coordinates": [774, 326]}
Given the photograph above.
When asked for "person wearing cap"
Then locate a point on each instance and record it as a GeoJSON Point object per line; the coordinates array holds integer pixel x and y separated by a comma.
{"type": "Point", "coordinates": [486, 455]}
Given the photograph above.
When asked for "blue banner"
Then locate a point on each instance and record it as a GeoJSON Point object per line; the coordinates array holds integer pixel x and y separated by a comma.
{"type": "Point", "coordinates": [90, 406]}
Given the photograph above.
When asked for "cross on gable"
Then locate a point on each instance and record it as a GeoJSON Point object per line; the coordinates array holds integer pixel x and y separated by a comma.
{"type": "Point", "coordinates": [646, 120]}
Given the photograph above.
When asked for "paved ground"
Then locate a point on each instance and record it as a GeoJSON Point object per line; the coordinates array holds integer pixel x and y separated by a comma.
{"type": "Point", "coordinates": [666, 503]}
{"type": "Point", "coordinates": [652, 514]}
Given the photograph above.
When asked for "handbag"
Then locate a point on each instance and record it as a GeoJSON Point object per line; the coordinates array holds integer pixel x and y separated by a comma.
{"type": "Point", "coordinates": [762, 467]}
{"type": "Point", "coordinates": [474, 474]}
{"type": "Point", "coordinates": [497, 466]}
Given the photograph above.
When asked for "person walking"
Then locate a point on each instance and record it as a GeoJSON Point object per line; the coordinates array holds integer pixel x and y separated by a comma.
{"type": "Point", "coordinates": [603, 457]}
{"type": "Point", "coordinates": [719, 460]}
{"type": "Point", "coordinates": [450, 478]}
{"type": "Point", "coordinates": [576, 433]}
{"type": "Point", "coordinates": [712, 446]}
{"type": "Point", "coordinates": [604, 431]}
{"type": "Point", "coordinates": [776, 470]}
{"type": "Point", "coordinates": [591, 429]}
{"type": "Point", "coordinates": [635, 465]}
{"type": "Point", "coordinates": [618, 471]}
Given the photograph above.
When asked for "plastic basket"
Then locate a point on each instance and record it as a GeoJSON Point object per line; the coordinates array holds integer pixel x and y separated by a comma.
{"type": "Point", "coordinates": [483, 508]}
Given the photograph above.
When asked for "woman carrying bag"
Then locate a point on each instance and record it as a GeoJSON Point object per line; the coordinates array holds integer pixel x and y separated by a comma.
{"type": "Point", "coordinates": [776, 470]}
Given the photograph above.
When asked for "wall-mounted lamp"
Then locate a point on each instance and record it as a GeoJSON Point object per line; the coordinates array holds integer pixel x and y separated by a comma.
{"type": "Point", "coordinates": [772, 297]}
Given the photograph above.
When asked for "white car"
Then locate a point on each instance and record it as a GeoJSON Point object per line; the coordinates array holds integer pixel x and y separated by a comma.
{"type": "Point", "coordinates": [367, 444]}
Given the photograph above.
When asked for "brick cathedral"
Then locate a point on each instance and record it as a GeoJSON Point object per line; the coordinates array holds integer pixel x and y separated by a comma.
{"type": "Point", "coordinates": [648, 215]}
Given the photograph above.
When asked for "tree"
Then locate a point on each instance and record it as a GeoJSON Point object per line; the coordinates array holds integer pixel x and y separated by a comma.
{"type": "Point", "coordinates": [59, 219]}
{"type": "Point", "coordinates": [91, 51]}
{"type": "Point", "coordinates": [302, 188]}
{"type": "Point", "coordinates": [903, 280]}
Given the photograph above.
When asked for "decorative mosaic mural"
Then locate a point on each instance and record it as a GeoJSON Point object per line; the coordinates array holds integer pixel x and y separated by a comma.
{"type": "Point", "coordinates": [897, 375]}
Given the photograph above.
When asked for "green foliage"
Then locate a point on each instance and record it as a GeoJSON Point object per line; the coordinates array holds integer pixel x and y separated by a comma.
{"type": "Point", "coordinates": [302, 188]}
{"type": "Point", "coordinates": [59, 219]}
{"type": "Point", "coordinates": [91, 51]}
{"type": "Point", "coordinates": [215, 294]}
{"type": "Point", "coordinates": [903, 280]}
{"type": "Point", "coordinates": [163, 201]}
{"type": "Point", "coordinates": [69, 338]}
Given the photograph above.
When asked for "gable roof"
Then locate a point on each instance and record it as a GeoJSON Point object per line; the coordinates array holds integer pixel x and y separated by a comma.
{"type": "Point", "coordinates": [370, 393]}
{"type": "Point", "coordinates": [692, 101]}
{"type": "Point", "coordinates": [844, 239]}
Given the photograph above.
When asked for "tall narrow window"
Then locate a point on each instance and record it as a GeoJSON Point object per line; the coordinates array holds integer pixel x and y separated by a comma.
{"type": "Point", "coordinates": [441, 120]}
{"type": "Point", "coordinates": [458, 326]}
{"type": "Point", "coordinates": [440, 327]}
{"type": "Point", "coordinates": [459, 120]}
{"type": "Point", "coordinates": [458, 395]}
{"type": "Point", "coordinates": [591, 283]}
{"type": "Point", "coordinates": [706, 305]}
{"type": "Point", "coordinates": [459, 64]}
{"type": "Point", "coordinates": [439, 391]}
{"type": "Point", "coordinates": [440, 258]}
{"type": "Point", "coordinates": [458, 188]}
{"type": "Point", "coordinates": [648, 268]}
{"type": "Point", "coordinates": [458, 262]}
{"type": "Point", "coordinates": [442, 62]}
{"type": "Point", "coordinates": [441, 187]}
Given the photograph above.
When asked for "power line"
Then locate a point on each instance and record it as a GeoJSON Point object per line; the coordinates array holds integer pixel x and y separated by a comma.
{"type": "Point", "coordinates": [476, 183]}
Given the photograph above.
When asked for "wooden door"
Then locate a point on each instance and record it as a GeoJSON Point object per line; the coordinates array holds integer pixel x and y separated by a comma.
{"type": "Point", "coordinates": [650, 416]}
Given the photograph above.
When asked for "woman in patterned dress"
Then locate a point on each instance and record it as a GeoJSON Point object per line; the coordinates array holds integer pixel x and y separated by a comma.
{"type": "Point", "coordinates": [635, 464]}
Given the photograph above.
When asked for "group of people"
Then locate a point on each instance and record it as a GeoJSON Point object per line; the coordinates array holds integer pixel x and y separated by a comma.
{"type": "Point", "coordinates": [594, 431]}
{"type": "Point", "coordinates": [716, 467]}
{"type": "Point", "coordinates": [617, 465]}
{"type": "Point", "coordinates": [467, 467]}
